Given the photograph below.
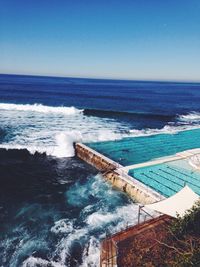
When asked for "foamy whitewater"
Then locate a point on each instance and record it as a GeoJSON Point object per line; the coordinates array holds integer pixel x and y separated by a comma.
{"type": "Point", "coordinates": [53, 130]}
{"type": "Point", "coordinates": [54, 208]}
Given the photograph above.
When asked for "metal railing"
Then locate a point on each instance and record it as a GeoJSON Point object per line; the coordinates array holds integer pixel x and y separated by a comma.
{"type": "Point", "coordinates": [111, 249]}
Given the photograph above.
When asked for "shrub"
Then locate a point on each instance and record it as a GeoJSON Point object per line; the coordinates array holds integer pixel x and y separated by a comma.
{"type": "Point", "coordinates": [189, 223]}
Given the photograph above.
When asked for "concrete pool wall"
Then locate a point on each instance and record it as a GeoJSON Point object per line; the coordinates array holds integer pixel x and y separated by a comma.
{"type": "Point", "coordinates": [112, 172]}
{"type": "Point", "coordinates": [145, 182]}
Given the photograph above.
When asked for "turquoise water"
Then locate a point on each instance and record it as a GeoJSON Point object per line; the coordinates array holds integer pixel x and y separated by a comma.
{"type": "Point", "coordinates": [135, 150]}
{"type": "Point", "coordinates": [168, 178]}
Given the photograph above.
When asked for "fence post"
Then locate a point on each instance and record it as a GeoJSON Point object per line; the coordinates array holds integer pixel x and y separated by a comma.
{"type": "Point", "coordinates": [139, 214]}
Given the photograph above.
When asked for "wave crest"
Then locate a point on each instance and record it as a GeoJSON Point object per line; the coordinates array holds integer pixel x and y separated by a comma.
{"type": "Point", "coordinates": [193, 117]}
{"type": "Point", "coordinates": [41, 108]}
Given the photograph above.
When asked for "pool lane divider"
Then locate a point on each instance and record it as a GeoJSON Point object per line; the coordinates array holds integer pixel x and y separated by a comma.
{"type": "Point", "coordinates": [119, 178]}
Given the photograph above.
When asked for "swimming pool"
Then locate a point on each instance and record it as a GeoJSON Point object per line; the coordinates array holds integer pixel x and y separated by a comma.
{"type": "Point", "coordinates": [135, 150]}
{"type": "Point", "coordinates": [168, 178]}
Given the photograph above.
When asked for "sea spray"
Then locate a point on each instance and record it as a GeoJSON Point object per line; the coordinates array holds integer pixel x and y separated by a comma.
{"type": "Point", "coordinates": [64, 144]}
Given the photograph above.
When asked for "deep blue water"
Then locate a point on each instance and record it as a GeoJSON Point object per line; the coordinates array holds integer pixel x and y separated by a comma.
{"type": "Point", "coordinates": [153, 102]}
{"type": "Point", "coordinates": [55, 209]}
{"type": "Point", "coordinates": [169, 98]}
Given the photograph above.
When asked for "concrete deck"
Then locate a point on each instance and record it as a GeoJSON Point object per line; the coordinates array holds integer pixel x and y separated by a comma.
{"type": "Point", "coordinates": [178, 156]}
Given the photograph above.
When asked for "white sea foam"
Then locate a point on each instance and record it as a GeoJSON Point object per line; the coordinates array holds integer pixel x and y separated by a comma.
{"type": "Point", "coordinates": [59, 142]}
{"type": "Point", "coordinates": [91, 253]}
{"type": "Point", "coordinates": [98, 219]}
{"type": "Point", "coordinates": [167, 129]}
{"type": "Point", "coordinates": [63, 226]}
{"type": "Point", "coordinates": [63, 146]}
{"type": "Point", "coordinates": [124, 216]}
{"type": "Point", "coordinates": [115, 221]}
{"type": "Point", "coordinates": [48, 129]}
{"type": "Point", "coordinates": [63, 250]}
{"type": "Point", "coordinates": [55, 135]}
{"type": "Point", "coordinates": [40, 108]}
{"type": "Point", "coordinates": [105, 214]}
{"type": "Point", "coordinates": [33, 262]}
{"type": "Point", "coordinates": [183, 122]}
{"type": "Point", "coordinates": [31, 149]}
{"type": "Point", "coordinates": [193, 117]}
{"type": "Point", "coordinates": [53, 130]}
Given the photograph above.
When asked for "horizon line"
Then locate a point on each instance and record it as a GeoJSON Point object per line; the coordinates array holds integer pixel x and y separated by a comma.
{"type": "Point", "coordinates": [104, 78]}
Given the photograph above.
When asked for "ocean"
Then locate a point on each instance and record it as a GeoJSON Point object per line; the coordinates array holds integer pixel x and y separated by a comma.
{"type": "Point", "coordinates": [54, 208]}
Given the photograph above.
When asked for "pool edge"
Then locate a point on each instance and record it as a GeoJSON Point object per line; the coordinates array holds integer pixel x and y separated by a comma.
{"type": "Point", "coordinates": [119, 179]}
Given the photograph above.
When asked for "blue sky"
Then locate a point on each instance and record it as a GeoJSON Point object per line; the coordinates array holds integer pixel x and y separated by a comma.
{"type": "Point", "coordinates": [137, 39]}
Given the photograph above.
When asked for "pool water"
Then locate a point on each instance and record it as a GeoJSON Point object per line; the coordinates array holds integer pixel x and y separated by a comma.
{"type": "Point", "coordinates": [135, 150]}
{"type": "Point", "coordinates": [169, 178]}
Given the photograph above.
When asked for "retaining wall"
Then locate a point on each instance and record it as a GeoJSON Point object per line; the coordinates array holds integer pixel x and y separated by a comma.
{"type": "Point", "coordinates": [111, 172]}
{"type": "Point", "coordinates": [99, 161]}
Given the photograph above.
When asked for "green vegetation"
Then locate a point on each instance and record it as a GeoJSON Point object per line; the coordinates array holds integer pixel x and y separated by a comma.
{"type": "Point", "coordinates": [185, 237]}
{"type": "Point", "coordinates": [189, 224]}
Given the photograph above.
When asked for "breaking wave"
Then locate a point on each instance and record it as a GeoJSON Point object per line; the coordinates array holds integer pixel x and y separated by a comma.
{"type": "Point", "coordinates": [182, 123]}
{"type": "Point", "coordinates": [40, 108]}
{"type": "Point", "coordinates": [64, 143]}
{"type": "Point", "coordinates": [168, 129]}
{"type": "Point", "coordinates": [53, 130]}
{"type": "Point", "coordinates": [193, 117]}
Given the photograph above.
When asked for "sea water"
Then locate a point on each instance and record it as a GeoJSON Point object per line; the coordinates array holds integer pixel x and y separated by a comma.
{"type": "Point", "coordinates": [54, 208]}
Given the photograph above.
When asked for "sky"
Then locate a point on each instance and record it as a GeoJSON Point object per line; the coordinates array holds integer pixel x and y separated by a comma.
{"type": "Point", "coordinates": [127, 39]}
